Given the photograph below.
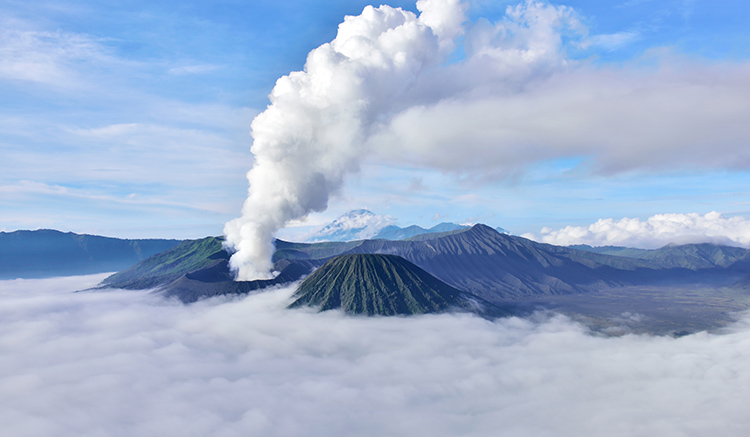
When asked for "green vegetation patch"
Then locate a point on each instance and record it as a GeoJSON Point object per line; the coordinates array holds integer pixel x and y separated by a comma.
{"type": "Point", "coordinates": [375, 285]}
{"type": "Point", "coordinates": [168, 266]}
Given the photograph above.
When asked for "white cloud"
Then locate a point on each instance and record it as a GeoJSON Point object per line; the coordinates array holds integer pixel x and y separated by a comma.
{"type": "Point", "coordinates": [171, 154]}
{"type": "Point", "coordinates": [614, 41]}
{"type": "Point", "coordinates": [126, 363]}
{"type": "Point", "coordinates": [51, 58]}
{"type": "Point", "coordinates": [676, 116]}
{"type": "Point", "coordinates": [654, 232]}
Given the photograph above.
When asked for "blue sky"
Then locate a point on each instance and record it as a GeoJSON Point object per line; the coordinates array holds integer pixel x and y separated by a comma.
{"type": "Point", "coordinates": [132, 119]}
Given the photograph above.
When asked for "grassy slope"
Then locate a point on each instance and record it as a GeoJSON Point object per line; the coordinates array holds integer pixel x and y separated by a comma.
{"type": "Point", "coordinates": [167, 266]}
{"type": "Point", "coordinates": [375, 285]}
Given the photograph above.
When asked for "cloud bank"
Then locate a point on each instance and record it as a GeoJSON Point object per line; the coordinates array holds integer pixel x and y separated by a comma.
{"type": "Point", "coordinates": [521, 91]}
{"type": "Point", "coordinates": [125, 363]}
{"type": "Point", "coordinates": [654, 232]}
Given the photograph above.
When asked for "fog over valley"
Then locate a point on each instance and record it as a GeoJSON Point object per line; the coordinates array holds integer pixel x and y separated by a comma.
{"type": "Point", "coordinates": [123, 363]}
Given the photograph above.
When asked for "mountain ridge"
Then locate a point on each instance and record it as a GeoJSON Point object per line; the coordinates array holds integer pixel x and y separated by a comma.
{"type": "Point", "coordinates": [47, 252]}
{"type": "Point", "coordinates": [479, 260]}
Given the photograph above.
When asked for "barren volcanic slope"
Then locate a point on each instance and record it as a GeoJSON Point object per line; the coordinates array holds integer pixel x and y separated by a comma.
{"type": "Point", "coordinates": [382, 285]}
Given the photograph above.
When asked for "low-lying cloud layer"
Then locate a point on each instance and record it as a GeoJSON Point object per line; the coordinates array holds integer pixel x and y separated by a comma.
{"type": "Point", "coordinates": [654, 232]}
{"type": "Point", "coordinates": [125, 363]}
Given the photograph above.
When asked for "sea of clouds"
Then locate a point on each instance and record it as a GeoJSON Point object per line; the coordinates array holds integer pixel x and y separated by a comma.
{"type": "Point", "coordinates": [127, 363]}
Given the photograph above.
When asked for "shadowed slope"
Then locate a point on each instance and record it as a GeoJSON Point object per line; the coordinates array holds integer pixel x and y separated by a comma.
{"type": "Point", "coordinates": [494, 265]}
{"type": "Point", "coordinates": [163, 268]}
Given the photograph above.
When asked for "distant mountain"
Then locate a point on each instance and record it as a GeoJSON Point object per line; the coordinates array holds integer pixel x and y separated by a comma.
{"type": "Point", "coordinates": [357, 224]}
{"type": "Point", "coordinates": [361, 224]}
{"type": "Point", "coordinates": [496, 266]}
{"type": "Point", "coordinates": [393, 232]}
{"type": "Point", "coordinates": [627, 252]}
{"type": "Point", "coordinates": [499, 266]}
{"type": "Point", "coordinates": [47, 253]}
{"type": "Point", "coordinates": [688, 256]}
{"type": "Point", "coordinates": [382, 285]}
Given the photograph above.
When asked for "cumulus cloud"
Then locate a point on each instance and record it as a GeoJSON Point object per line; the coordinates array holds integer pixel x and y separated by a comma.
{"type": "Point", "coordinates": [123, 363]}
{"type": "Point", "coordinates": [654, 232]}
{"type": "Point", "coordinates": [384, 87]}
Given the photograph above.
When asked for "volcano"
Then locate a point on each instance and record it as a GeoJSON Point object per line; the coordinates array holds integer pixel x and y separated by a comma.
{"type": "Point", "coordinates": [385, 285]}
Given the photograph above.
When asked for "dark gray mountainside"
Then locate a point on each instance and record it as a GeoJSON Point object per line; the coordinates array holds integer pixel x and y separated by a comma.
{"type": "Point", "coordinates": [383, 285]}
{"type": "Point", "coordinates": [47, 253]}
{"type": "Point", "coordinates": [497, 267]}
{"type": "Point", "coordinates": [672, 290]}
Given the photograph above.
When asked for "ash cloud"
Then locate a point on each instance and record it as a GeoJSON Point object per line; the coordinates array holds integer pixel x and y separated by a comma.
{"type": "Point", "coordinates": [385, 88]}
{"type": "Point", "coordinates": [654, 232]}
{"type": "Point", "coordinates": [124, 363]}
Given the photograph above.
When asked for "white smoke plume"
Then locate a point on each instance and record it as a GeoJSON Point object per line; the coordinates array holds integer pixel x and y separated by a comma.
{"type": "Point", "coordinates": [654, 232]}
{"type": "Point", "coordinates": [384, 86]}
{"type": "Point", "coordinates": [313, 132]}
{"type": "Point", "coordinates": [128, 363]}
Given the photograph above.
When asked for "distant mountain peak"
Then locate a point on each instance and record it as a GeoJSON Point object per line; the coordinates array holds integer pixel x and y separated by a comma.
{"type": "Point", "coordinates": [362, 224]}
{"type": "Point", "coordinates": [483, 230]}
{"type": "Point", "coordinates": [357, 224]}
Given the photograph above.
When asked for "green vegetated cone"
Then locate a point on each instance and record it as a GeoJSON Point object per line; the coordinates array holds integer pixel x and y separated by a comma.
{"type": "Point", "coordinates": [375, 284]}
